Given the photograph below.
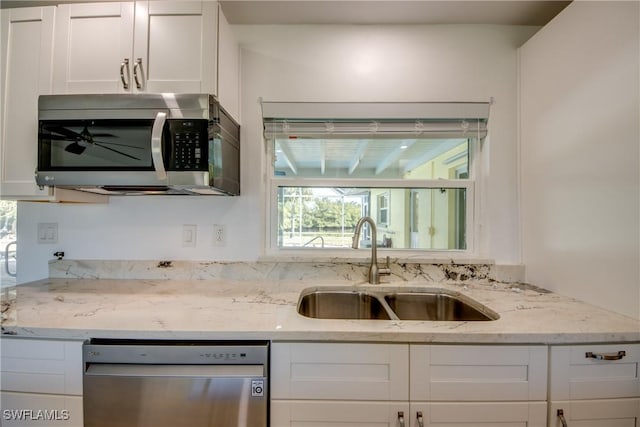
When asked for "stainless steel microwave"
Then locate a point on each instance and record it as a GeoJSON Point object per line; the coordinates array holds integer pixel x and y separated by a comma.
{"type": "Point", "coordinates": [138, 144]}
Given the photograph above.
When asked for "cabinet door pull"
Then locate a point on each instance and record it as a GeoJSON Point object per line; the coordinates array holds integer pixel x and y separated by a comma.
{"type": "Point", "coordinates": [137, 66]}
{"type": "Point", "coordinates": [420, 419]}
{"type": "Point", "coordinates": [125, 83]}
{"type": "Point", "coordinates": [401, 418]}
{"type": "Point", "coordinates": [562, 419]}
{"type": "Point", "coordinates": [602, 356]}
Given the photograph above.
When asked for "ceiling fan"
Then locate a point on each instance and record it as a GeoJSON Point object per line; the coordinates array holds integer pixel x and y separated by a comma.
{"type": "Point", "coordinates": [80, 141]}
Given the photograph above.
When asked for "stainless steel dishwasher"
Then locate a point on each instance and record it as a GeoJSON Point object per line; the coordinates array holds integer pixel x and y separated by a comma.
{"type": "Point", "coordinates": [133, 383]}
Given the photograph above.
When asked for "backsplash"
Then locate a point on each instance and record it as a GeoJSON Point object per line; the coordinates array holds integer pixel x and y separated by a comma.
{"type": "Point", "coordinates": [277, 271]}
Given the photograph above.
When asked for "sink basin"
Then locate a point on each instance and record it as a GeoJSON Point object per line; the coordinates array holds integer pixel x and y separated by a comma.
{"type": "Point", "coordinates": [388, 303]}
{"type": "Point", "coordinates": [434, 306]}
{"type": "Point", "coordinates": [332, 304]}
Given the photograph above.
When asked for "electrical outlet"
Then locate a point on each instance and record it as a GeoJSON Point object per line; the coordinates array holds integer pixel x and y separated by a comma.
{"type": "Point", "coordinates": [219, 235]}
{"type": "Point", "coordinates": [47, 232]}
{"type": "Point", "coordinates": [189, 234]}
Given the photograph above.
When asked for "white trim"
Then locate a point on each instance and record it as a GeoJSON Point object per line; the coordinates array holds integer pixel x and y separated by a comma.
{"type": "Point", "coordinates": [295, 181]}
{"type": "Point", "coordinates": [375, 110]}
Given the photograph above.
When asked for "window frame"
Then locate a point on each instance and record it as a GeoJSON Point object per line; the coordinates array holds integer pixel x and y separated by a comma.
{"type": "Point", "coordinates": [433, 112]}
{"type": "Point", "coordinates": [471, 185]}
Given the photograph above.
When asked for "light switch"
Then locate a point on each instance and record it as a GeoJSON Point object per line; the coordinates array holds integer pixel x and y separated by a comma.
{"type": "Point", "coordinates": [47, 232]}
{"type": "Point", "coordinates": [189, 232]}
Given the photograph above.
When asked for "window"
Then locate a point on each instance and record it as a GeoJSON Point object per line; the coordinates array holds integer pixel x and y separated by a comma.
{"type": "Point", "coordinates": [383, 209]}
{"type": "Point", "coordinates": [332, 163]}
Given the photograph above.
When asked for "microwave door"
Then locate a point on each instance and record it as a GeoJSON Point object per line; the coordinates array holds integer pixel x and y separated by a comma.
{"type": "Point", "coordinates": [104, 144]}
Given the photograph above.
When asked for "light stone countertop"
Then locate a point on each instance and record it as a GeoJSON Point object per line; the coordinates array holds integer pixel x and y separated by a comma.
{"type": "Point", "coordinates": [79, 308]}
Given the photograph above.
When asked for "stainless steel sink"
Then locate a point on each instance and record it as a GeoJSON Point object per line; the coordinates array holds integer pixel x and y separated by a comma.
{"type": "Point", "coordinates": [436, 306]}
{"type": "Point", "coordinates": [389, 303]}
{"type": "Point", "coordinates": [335, 304]}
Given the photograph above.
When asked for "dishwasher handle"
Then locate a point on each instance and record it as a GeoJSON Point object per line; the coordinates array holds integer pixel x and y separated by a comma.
{"type": "Point", "coordinates": [200, 371]}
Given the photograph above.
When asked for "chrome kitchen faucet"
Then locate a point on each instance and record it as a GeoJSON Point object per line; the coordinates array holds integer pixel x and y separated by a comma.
{"type": "Point", "coordinates": [374, 270]}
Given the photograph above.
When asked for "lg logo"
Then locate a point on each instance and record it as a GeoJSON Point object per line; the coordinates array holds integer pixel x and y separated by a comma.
{"type": "Point", "coordinates": [257, 388]}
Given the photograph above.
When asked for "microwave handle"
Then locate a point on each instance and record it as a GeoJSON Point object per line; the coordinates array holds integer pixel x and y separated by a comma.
{"type": "Point", "coordinates": [156, 145]}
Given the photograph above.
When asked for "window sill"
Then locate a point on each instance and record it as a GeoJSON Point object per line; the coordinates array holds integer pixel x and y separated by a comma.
{"type": "Point", "coordinates": [364, 255]}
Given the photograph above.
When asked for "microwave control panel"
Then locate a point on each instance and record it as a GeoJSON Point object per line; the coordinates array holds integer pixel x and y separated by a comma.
{"type": "Point", "coordinates": [189, 145]}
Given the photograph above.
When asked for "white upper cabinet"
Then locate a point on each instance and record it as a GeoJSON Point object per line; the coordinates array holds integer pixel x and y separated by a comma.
{"type": "Point", "coordinates": [146, 46]}
{"type": "Point", "coordinates": [228, 68]}
{"type": "Point", "coordinates": [27, 45]}
{"type": "Point", "coordinates": [94, 44]}
{"type": "Point", "coordinates": [174, 48]}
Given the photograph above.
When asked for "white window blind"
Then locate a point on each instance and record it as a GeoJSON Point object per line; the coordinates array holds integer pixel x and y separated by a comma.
{"type": "Point", "coordinates": [375, 120]}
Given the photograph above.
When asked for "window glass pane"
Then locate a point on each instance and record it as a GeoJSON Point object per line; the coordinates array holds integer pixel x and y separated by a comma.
{"type": "Point", "coordinates": [426, 158]}
{"type": "Point", "coordinates": [406, 218]}
{"type": "Point", "coordinates": [8, 239]}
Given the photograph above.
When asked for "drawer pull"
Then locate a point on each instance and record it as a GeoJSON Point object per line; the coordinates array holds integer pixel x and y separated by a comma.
{"type": "Point", "coordinates": [401, 418]}
{"type": "Point", "coordinates": [562, 419]}
{"type": "Point", "coordinates": [419, 418]}
{"type": "Point", "coordinates": [602, 356]}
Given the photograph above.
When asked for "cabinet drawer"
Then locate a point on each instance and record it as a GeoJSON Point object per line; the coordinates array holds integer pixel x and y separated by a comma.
{"type": "Point", "coordinates": [596, 413]}
{"type": "Point", "coordinates": [577, 373]}
{"type": "Point", "coordinates": [41, 366]}
{"type": "Point", "coordinates": [478, 373]}
{"type": "Point", "coordinates": [479, 414]}
{"type": "Point", "coordinates": [296, 413]}
{"type": "Point", "coordinates": [39, 410]}
{"type": "Point", "coordinates": [339, 371]}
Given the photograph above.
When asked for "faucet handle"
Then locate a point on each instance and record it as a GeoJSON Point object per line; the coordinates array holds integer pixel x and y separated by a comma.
{"type": "Point", "coordinates": [386, 270]}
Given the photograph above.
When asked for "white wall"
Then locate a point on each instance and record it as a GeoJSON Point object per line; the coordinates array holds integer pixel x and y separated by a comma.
{"type": "Point", "coordinates": [400, 63]}
{"type": "Point", "coordinates": [580, 148]}
{"type": "Point", "coordinates": [310, 63]}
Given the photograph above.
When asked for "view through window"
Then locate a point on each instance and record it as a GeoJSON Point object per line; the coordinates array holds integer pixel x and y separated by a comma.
{"type": "Point", "coordinates": [8, 240]}
{"type": "Point", "coordinates": [392, 182]}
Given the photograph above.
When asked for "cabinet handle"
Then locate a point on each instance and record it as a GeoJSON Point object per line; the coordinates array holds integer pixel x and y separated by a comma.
{"type": "Point", "coordinates": [419, 418]}
{"type": "Point", "coordinates": [137, 66]}
{"type": "Point", "coordinates": [603, 356]}
{"type": "Point", "coordinates": [7, 253]}
{"type": "Point", "coordinates": [401, 418]}
{"type": "Point", "coordinates": [125, 63]}
{"type": "Point", "coordinates": [562, 419]}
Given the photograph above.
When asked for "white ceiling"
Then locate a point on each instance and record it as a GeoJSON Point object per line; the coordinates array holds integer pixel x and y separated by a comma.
{"type": "Point", "coordinates": [503, 12]}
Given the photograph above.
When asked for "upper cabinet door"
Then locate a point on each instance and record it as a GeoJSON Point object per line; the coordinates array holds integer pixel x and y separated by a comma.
{"type": "Point", "coordinates": [175, 46]}
{"type": "Point", "coordinates": [27, 35]}
{"type": "Point", "coordinates": [94, 46]}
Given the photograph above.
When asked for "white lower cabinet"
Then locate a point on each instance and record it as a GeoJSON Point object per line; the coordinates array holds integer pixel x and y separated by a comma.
{"type": "Point", "coordinates": [297, 413]}
{"type": "Point", "coordinates": [41, 382]}
{"type": "Point", "coordinates": [478, 373]}
{"type": "Point", "coordinates": [344, 371]}
{"type": "Point", "coordinates": [595, 385]}
{"type": "Point", "coordinates": [478, 385]}
{"type": "Point", "coordinates": [596, 413]}
{"type": "Point", "coordinates": [478, 414]}
{"type": "Point", "coordinates": [339, 384]}
{"type": "Point", "coordinates": [402, 385]}
{"type": "Point", "coordinates": [35, 409]}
